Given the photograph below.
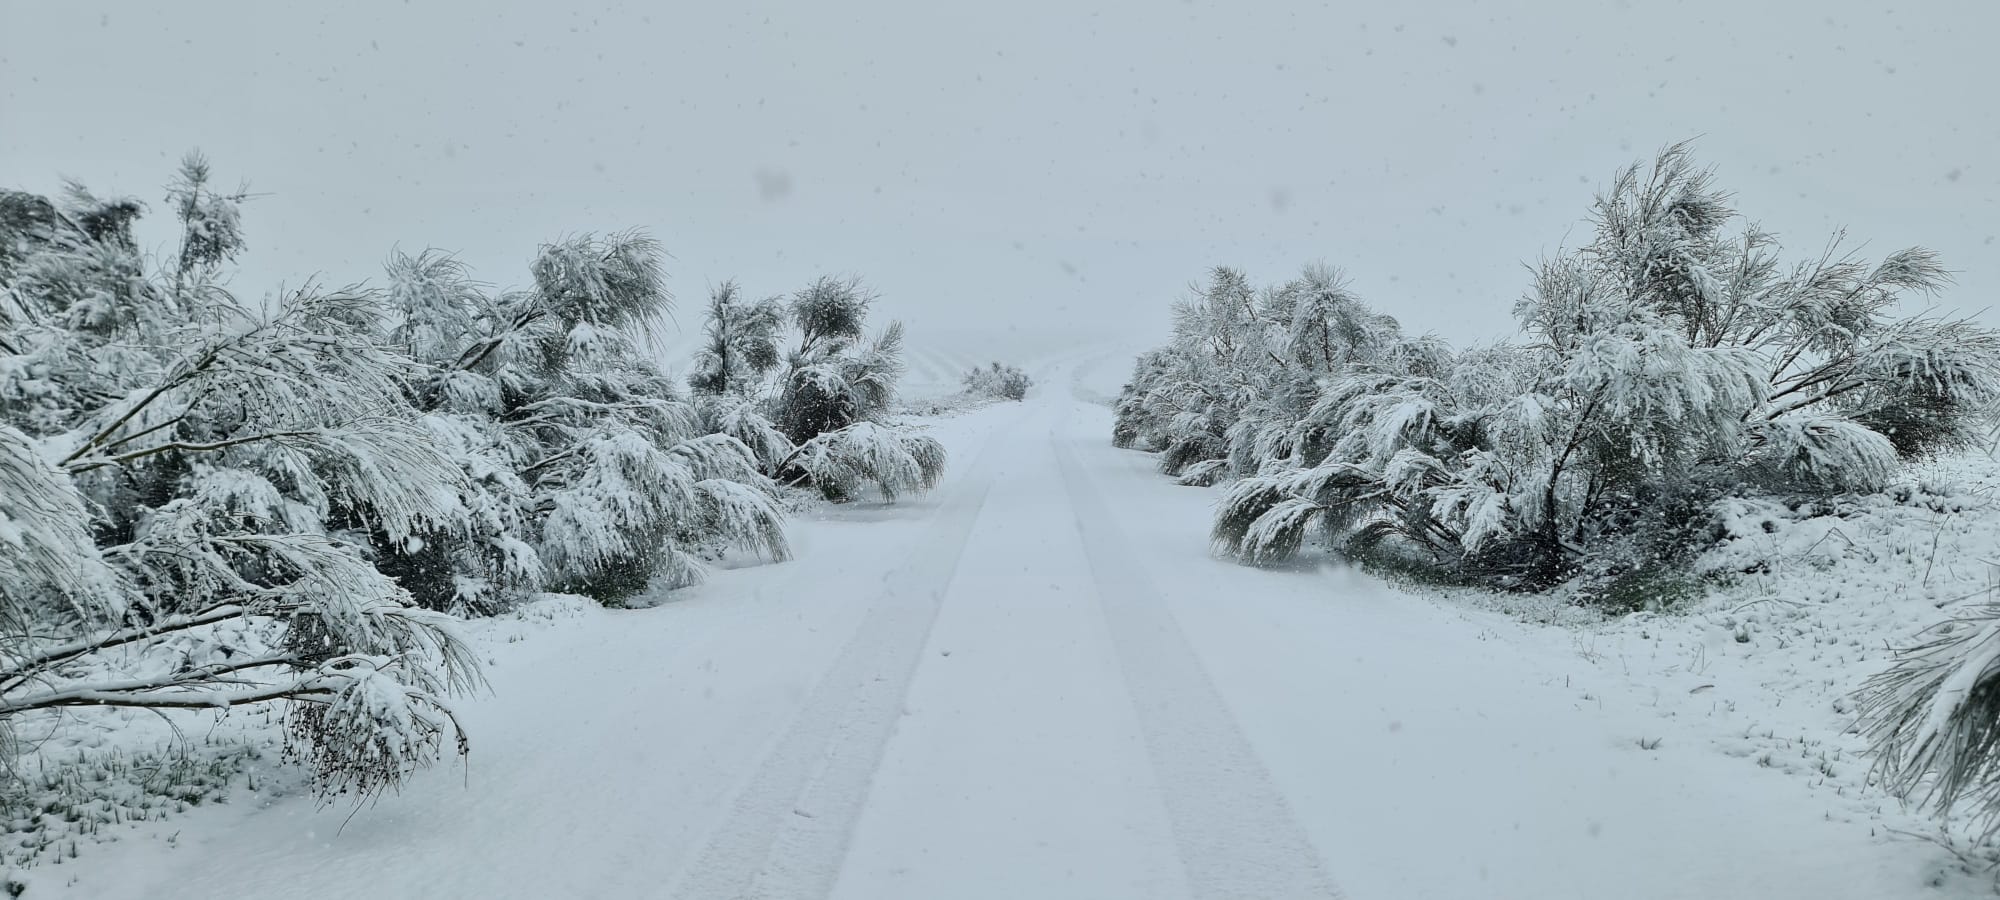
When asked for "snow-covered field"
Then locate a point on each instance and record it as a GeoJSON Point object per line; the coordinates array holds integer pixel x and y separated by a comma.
{"type": "Point", "coordinates": [1037, 682]}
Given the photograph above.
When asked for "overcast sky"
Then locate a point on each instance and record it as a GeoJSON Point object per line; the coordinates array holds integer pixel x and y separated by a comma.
{"type": "Point", "coordinates": [1044, 165]}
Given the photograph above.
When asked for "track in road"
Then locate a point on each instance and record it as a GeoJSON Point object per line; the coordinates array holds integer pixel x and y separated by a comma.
{"type": "Point", "coordinates": [1059, 646]}
{"type": "Point", "coordinates": [1033, 683]}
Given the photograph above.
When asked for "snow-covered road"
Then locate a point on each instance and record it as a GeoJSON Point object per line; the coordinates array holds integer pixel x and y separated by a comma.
{"type": "Point", "coordinates": [1035, 683]}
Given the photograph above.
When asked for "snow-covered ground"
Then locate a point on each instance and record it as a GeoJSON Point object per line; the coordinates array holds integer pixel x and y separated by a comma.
{"type": "Point", "coordinates": [1804, 606]}
{"type": "Point", "coordinates": [1037, 682]}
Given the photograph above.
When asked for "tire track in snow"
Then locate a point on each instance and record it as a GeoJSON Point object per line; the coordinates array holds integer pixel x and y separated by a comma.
{"type": "Point", "coordinates": [1237, 835]}
{"type": "Point", "coordinates": [788, 830]}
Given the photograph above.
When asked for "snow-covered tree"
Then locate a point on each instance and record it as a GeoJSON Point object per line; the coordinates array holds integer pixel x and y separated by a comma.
{"type": "Point", "coordinates": [1670, 362]}
{"type": "Point", "coordinates": [1230, 394]}
{"type": "Point", "coordinates": [206, 503]}
{"type": "Point", "coordinates": [833, 377]}
{"type": "Point", "coordinates": [998, 382]}
{"type": "Point", "coordinates": [182, 477]}
{"type": "Point", "coordinates": [211, 228]}
{"type": "Point", "coordinates": [819, 413]}
{"type": "Point", "coordinates": [739, 342]}
{"type": "Point", "coordinates": [1184, 396]}
{"type": "Point", "coordinates": [832, 397]}
{"type": "Point", "coordinates": [588, 471]}
{"type": "Point", "coordinates": [894, 460]}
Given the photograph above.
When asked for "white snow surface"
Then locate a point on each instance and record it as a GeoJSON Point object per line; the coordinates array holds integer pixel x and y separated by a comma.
{"type": "Point", "coordinates": [1036, 682]}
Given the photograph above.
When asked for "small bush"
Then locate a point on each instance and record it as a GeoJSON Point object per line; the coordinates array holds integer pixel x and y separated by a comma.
{"type": "Point", "coordinates": [999, 382]}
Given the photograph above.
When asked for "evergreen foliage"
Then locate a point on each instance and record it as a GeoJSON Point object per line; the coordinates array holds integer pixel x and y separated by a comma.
{"type": "Point", "coordinates": [818, 414]}
{"type": "Point", "coordinates": [206, 503]}
{"type": "Point", "coordinates": [1669, 363]}
{"type": "Point", "coordinates": [998, 382]}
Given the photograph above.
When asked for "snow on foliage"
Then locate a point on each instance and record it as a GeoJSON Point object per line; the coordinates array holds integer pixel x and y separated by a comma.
{"type": "Point", "coordinates": [1671, 377]}
{"type": "Point", "coordinates": [46, 550]}
{"type": "Point", "coordinates": [575, 445]}
{"type": "Point", "coordinates": [821, 414]}
{"type": "Point", "coordinates": [624, 503]}
{"type": "Point", "coordinates": [895, 461]}
{"type": "Point", "coordinates": [1667, 365]}
{"type": "Point", "coordinates": [998, 382]}
{"type": "Point", "coordinates": [207, 503]}
{"type": "Point", "coordinates": [745, 421]}
{"type": "Point", "coordinates": [1934, 717]}
{"type": "Point", "coordinates": [740, 341]}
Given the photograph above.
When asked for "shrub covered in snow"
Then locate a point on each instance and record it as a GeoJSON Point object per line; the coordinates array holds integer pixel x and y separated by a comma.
{"type": "Point", "coordinates": [187, 487]}
{"type": "Point", "coordinates": [740, 342]}
{"type": "Point", "coordinates": [206, 503]}
{"type": "Point", "coordinates": [894, 460]}
{"type": "Point", "coordinates": [589, 471]}
{"type": "Point", "coordinates": [819, 415]}
{"type": "Point", "coordinates": [998, 382]}
{"type": "Point", "coordinates": [1671, 363]}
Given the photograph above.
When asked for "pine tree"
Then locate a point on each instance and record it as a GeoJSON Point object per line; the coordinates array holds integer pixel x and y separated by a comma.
{"type": "Point", "coordinates": [589, 471]}
{"type": "Point", "coordinates": [740, 342]}
{"type": "Point", "coordinates": [1670, 362]}
{"type": "Point", "coordinates": [176, 464]}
